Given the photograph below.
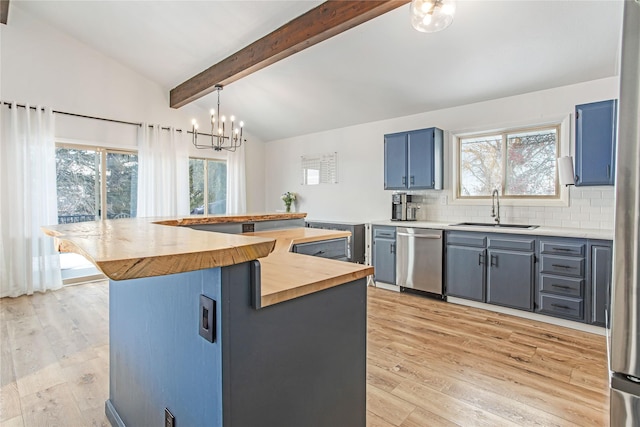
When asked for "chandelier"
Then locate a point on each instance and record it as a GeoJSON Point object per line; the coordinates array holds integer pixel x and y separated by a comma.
{"type": "Point", "coordinates": [219, 127]}
{"type": "Point", "coordinates": [429, 16]}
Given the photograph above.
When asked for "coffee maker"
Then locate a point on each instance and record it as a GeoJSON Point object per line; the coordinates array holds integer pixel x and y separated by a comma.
{"type": "Point", "coordinates": [402, 208]}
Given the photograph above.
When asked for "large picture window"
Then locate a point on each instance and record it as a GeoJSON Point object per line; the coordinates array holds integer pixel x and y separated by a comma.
{"type": "Point", "coordinates": [207, 186]}
{"type": "Point", "coordinates": [519, 164]}
{"type": "Point", "coordinates": [90, 178]}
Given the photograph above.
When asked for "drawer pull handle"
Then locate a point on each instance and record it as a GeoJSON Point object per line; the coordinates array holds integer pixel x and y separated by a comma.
{"type": "Point", "coordinates": [318, 253]}
{"type": "Point", "coordinates": [561, 266]}
{"type": "Point", "coordinates": [561, 286]}
{"type": "Point", "coordinates": [561, 306]}
{"type": "Point", "coordinates": [562, 249]}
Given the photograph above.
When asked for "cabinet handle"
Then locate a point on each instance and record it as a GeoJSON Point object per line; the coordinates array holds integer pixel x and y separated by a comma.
{"type": "Point", "coordinates": [561, 286]}
{"type": "Point", "coordinates": [393, 248]}
{"type": "Point", "coordinates": [561, 249]}
{"type": "Point", "coordinates": [561, 266]}
{"type": "Point", "coordinates": [608, 171]}
{"type": "Point", "coordinates": [412, 180]}
{"type": "Point", "coordinates": [565, 307]}
{"type": "Point", "coordinates": [404, 180]}
{"type": "Point", "coordinates": [318, 253]}
{"type": "Point", "coordinates": [491, 262]}
{"type": "Point", "coordinates": [480, 260]}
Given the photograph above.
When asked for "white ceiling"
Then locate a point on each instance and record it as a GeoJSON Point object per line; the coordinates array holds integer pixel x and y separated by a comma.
{"type": "Point", "coordinates": [378, 70]}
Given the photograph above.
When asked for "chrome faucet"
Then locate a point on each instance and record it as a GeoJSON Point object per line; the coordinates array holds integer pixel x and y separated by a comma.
{"type": "Point", "coordinates": [495, 201]}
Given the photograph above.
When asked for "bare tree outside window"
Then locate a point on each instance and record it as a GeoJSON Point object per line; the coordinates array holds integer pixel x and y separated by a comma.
{"type": "Point", "coordinates": [531, 163]}
{"type": "Point", "coordinates": [80, 188]}
{"type": "Point", "coordinates": [480, 165]}
{"type": "Point", "coordinates": [520, 163]}
{"type": "Point", "coordinates": [207, 186]}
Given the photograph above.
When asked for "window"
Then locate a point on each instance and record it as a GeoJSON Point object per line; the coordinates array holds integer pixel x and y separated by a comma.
{"type": "Point", "coordinates": [89, 178]}
{"type": "Point", "coordinates": [519, 163]}
{"type": "Point", "coordinates": [207, 186]}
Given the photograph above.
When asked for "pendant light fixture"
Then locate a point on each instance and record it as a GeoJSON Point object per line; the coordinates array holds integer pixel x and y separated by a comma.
{"type": "Point", "coordinates": [219, 127]}
{"type": "Point", "coordinates": [429, 16]}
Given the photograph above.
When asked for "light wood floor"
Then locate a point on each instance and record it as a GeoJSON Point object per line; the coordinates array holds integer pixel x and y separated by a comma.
{"type": "Point", "coordinates": [429, 364]}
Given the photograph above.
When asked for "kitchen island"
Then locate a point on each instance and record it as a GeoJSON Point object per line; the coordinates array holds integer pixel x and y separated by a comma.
{"type": "Point", "coordinates": [227, 329]}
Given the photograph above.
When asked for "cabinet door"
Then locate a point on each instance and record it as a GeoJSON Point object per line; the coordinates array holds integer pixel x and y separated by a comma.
{"type": "Point", "coordinates": [465, 272]}
{"type": "Point", "coordinates": [600, 284]}
{"type": "Point", "coordinates": [510, 279]}
{"type": "Point", "coordinates": [420, 159]}
{"type": "Point", "coordinates": [384, 260]}
{"type": "Point", "coordinates": [595, 143]}
{"type": "Point", "coordinates": [395, 161]}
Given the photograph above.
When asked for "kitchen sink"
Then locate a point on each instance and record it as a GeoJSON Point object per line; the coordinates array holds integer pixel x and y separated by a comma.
{"type": "Point", "coordinates": [490, 224]}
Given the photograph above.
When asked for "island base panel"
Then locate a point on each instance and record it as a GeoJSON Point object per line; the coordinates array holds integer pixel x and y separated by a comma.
{"type": "Point", "coordinates": [300, 362]}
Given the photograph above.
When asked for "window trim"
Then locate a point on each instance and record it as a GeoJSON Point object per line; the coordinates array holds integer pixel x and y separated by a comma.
{"type": "Point", "coordinates": [563, 126]}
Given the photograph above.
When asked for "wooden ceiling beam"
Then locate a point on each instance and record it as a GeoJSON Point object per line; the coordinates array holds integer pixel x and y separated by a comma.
{"type": "Point", "coordinates": [319, 24]}
{"type": "Point", "coordinates": [4, 11]}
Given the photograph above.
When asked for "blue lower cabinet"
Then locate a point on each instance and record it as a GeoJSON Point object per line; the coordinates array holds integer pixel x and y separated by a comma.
{"type": "Point", "coordinates": [562, 289]}
{"type": "Point", "coordinates": [301, 362]}
{"type": "Point", "coordinates": [493, 268]}
{"type": "Point", "coordinates": [600, 277]}
{"type": "Point", "coordinates": [384, 254]}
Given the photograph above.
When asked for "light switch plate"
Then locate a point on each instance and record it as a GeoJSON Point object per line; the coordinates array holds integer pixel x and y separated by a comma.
{"type": "Point", "coordinates": [207, 314]}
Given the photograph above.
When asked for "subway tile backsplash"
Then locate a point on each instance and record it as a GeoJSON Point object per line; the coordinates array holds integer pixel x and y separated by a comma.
{"type": "Point", "coordinates": [590, 208]}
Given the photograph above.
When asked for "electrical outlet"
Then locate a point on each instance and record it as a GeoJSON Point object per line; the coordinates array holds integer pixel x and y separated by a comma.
{"type": "Point", "coordinates": [169, 419]}
{"type": "Point", "coordinates": [444, 199]}
{"type": "Point", "coordinates": [248, 227]}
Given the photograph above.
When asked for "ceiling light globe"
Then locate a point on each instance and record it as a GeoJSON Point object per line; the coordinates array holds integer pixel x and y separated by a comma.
{"type": "Point", "coordinates": [430, 16]}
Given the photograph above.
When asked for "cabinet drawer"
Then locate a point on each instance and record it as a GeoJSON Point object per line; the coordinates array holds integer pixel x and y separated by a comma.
{"type": "Point", "coordinates": [563, 265]}
{"type": "Point", "coordinates": [386, 232]}
{"type": "Point", "coordinates": [562, 285]}
{"type": "Point", "coordinates": [518, 244]}
{"type": "Point", "coordinates": [334, 249]}
{"type": "Point", "coordinates": [466, 239]}
{"type": "Point", "coordinates": [571, 308]}
{"type": "Point", "coordinates": [562, 248]}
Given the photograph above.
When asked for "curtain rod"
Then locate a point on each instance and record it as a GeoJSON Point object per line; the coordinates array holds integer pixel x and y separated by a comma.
{"type": "Point", "coordinates": [100, 118]}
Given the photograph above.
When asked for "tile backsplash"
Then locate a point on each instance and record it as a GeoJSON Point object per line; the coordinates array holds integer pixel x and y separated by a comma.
{"type": "Point", "coordinates": [590, 208]}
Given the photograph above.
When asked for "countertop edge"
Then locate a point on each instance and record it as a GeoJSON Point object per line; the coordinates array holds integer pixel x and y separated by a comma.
{"type": "Point", "coordinates": [540, 231]}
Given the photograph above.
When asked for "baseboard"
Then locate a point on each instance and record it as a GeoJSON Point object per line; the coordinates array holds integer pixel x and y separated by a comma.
{"type": "Point", "coordinates": [112, 415]}
{"type": "Point", "coordinates": [531, 316]}
{"type": "Point", "coordinates": [387, 286]}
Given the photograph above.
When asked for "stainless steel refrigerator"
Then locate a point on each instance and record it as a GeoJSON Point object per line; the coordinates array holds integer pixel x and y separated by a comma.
{"type": "Point", "coordinates": [624, 349]}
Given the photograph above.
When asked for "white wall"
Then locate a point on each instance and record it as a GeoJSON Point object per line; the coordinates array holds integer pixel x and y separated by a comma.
{"type": "Point", "coordinates": [41, 65]}
{"type": "Point", "coordinates": [359, 195]}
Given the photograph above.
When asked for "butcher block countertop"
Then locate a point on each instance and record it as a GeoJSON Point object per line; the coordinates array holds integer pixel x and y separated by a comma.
{"type": "Point", "coordinates": [134, 248]}
{"type": "Point", "coordinates": [287, 275]}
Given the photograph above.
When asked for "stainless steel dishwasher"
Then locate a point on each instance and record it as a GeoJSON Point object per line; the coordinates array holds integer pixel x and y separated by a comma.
{"type": "Point", "coordinates": [419, 260]}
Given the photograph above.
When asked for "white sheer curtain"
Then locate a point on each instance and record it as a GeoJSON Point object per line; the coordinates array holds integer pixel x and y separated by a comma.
{"type": "Point", "coordinates": [163, 172]}
{"type": "Point", "coordinates": [236, 182]}
{"type": "Point", "coordinates": [28, 260]}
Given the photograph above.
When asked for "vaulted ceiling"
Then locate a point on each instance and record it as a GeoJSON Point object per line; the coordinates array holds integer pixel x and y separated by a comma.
{"type": "Point", "coordinates": [378, 70]}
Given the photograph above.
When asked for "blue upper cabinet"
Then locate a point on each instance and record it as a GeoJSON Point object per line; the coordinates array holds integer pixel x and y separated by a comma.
{"type": "Point", "coordinates": [413, 160]}
{"type": "Point", "coordinates": [395, 161]}
{"type": "Point", "coordinates": [596, 143]}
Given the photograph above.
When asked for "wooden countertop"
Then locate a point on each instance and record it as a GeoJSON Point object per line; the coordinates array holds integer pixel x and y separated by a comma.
{"type": "Point", "coordinates": [287, 275]}
{"type": "Point", "coordinates": [143, 247]}
{"type": "Point", "coordinates": [222, 219]}
{"type": "Point", "coordinates": [132, 248]}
